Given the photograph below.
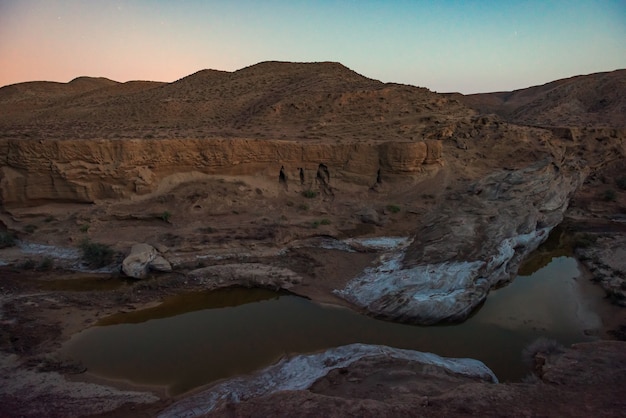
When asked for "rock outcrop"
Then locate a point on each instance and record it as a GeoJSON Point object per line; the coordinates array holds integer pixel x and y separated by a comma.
{"type": "Point", "coordinates": [472, 243]}
{"type": "Point", "coordinates": [301, 372]}
{"type": "Point", "coordinates": [86, 171]}
{"type": "Point", "coordinates": [142, 259]}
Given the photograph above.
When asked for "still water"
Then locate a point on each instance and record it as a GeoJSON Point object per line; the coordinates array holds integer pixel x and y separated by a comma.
{"type": "Point", "coordinates": [195, 339]}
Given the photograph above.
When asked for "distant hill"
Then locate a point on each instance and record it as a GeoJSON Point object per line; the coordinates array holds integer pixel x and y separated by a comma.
{"type": "Point", "coordinates": [323, 100]}
{"type": "Point", "coordinates": [270, 99]}
{"type": "Point", "coordinates": [588, 100]}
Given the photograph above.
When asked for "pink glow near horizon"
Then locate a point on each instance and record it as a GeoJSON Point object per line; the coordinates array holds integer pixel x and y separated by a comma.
{"type": "Point", "coordinates": [445, 45]}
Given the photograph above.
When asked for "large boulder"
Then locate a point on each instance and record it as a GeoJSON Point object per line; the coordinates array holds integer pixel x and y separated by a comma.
{"type": "Point", "coordinates": [142, 259]}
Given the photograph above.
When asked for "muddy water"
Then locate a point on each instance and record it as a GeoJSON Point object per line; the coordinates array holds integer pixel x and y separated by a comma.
{"type": "Point", "coordinates": [194, 339]}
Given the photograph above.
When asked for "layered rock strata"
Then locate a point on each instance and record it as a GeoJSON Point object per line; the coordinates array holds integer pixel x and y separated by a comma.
{"type": "Point", "coordinates": [90, 170]}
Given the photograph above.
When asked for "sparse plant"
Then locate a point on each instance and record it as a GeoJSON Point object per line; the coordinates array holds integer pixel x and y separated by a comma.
{"type": "Point", "coordinates": [309, 194]}
{"type": "Point", "coordinates": [84, 228]}
{"type": "Point", "coordinates": [315, 224]}
{"type": "Point", "coordinates": [584, 240]}
{"type": "Point", "coordinates": [30, 228]}
{"type": "Point", "coordinates": [325, 221]}
{"type": "Point", "coordinates": [27, 264]}
{"type": "Point", "coordinates": [609, 195]}
{"type": "Point", "coordinates": [540, 345]}
{"type": "Point", "coordinates": [49, 219]}
{"type": "Point", "coordinates": [95, 254]}
{"type": "Point", "coordinates": [393, 208]}
{"type": "Point", "coordinates": [46, 264]}
{"type": "Point", "coordinates": [303, 206]}
{"type": "Point", "coordinates": [166, 215]}
{"type": "Point", "coordinates": [621, 182]}
{"type": "Point", "coordinates": [7, 239]}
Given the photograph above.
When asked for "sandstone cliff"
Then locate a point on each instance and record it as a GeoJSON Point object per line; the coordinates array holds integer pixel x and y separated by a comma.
{"type": "Point", "coordinates": [86, 171]}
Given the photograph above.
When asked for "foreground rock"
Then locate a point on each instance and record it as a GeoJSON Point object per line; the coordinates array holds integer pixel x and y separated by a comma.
{"type": "Point", "coordinates": [301, 372]}
{"type": "Point", "coordinates": [606, 261]}
{"type": "Point", "coordinates": [29, 393]}
{"type": "Point", "coordinates": [469, 245]}
{"type": "Point", "coordinates": [142, 259]}
{"type": "Point", "coordinates": [586, 380]}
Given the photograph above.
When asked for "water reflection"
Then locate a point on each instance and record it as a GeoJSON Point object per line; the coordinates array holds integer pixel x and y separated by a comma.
{"type": "Point", "coordinates": [241, 330]}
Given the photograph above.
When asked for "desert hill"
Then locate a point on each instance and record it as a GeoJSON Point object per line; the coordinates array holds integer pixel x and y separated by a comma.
{"type": "Point", "coordinates": [314, 100]}
{"type": "Point", "coordinates": [581, 101]}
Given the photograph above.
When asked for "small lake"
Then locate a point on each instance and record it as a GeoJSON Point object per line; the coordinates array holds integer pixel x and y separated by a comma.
{"type": "Point", "coordinates": [194, 339]}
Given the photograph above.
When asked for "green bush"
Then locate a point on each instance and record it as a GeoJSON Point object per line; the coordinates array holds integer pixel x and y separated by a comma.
{"type": "Point", "coordinates": [166, 216]}
{"type": "Point", "coordinates": [325, 221]}
{"type": "Point", "coordinates": [95, 254]}
{"type": "Point", "coordinates": [309, 194]}
{"type": "Point", "coordinates": [84, 228]}
{"type": "Point", "coordinates": [30, 228]}
{"type": "Point", "coordinates": [49, 219]}
{"type": "Point", "coordinates": [7, 239]}
{"type": "Point", "coordinates": [393, 208]}
{"type": "Point", "coordinates": [584, 240]}
{"type": "Point", "coordinates": [303, 206]}
{"type": "Point", "coordinates": [609, 196]}
{"type": "Point", "coordinates": [621, 182]}
{"type": "Point", "coordinates": [27, 264]}
{"type": "Point", "coordinates": [46, 264]}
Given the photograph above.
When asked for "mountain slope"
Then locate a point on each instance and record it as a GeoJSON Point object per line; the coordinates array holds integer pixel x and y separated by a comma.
{"type": "Point", "coordinates": [266, 100]}
{"type": "Point", "coordinates": [588, 100]}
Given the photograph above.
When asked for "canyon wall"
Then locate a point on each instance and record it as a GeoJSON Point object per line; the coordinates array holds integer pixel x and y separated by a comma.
{"type": "Point", "coordinates": [33, 171]}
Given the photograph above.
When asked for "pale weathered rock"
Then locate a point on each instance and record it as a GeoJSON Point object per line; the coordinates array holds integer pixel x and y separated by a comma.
{"type": "Point", "coordinates": [142, 259]}
{"type": "Point", "coordinates": [300, 372]}
{"type": "Point", "coordinates": [464, 249]}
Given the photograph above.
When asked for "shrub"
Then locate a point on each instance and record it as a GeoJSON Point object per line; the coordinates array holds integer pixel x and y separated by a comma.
{"type": "Point", "coordinates": [30, 228]}
{"type": "Point", "coordinates": [325, 221]}
{"type": "Point", "coordinates": [166, 216]}
{"type": "Point", "coordinates": [609, 196]}
{"type": "Point", "coordinates": [309, 194]}
{"type": "Point", "coordinates": [584, 240]}
{"type": "Point", "coordinates": [27, 265]}
{"type": "Point", "coordinates": [46, 264]}
{"type": "Point", "coordinates": [393, 208]}
{"type": "Point", "coordinates": [49, 219]}
{"type": "Point", "coordinates": [540, 345]}
{"type": "Point", "coordinates": [96, 254]}
{"type": "Point", "coordinates": [315, 224]}
{"type": "Point", "coordinates": [7, 239]}
{"type": "Point", "coordinates": [84, 228]}
{"type": "Point", "coordinates": [621, 182]}
{"type": "Point", "coordinates": [303, 206]}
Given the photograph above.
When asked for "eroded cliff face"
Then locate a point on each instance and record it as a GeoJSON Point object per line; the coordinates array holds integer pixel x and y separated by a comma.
{"type": "Point", "coordinates": [89, 170]}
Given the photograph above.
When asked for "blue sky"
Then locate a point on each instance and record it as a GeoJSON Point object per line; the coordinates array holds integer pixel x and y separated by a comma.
{"type": "Point", "coordinates": [466, 46]}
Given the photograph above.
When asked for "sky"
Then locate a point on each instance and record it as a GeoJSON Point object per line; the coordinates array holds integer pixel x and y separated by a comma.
{"type": "Point", "coordinates": [446, 45]}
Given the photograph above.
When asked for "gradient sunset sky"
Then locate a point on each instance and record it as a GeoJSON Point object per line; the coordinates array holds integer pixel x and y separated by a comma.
{"type": "Point", "coordinates": [465, 46]}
